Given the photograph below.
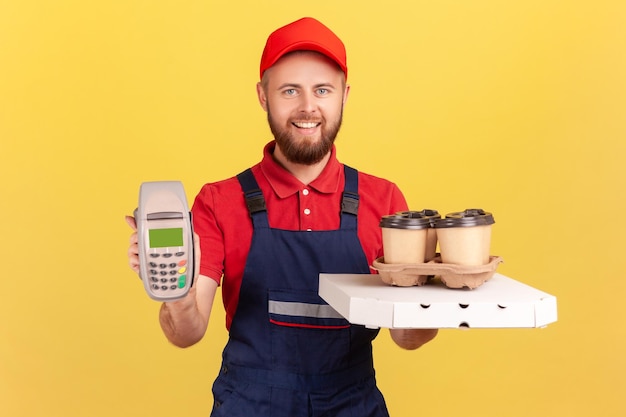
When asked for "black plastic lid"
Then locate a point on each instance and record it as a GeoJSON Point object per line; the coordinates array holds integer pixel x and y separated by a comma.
{"type": "Point", "coordinates": [405, 220]}
{"type": "Point", "coordinates": [467, 218]}
{"type": "Point", "coordinates": [430, 213]}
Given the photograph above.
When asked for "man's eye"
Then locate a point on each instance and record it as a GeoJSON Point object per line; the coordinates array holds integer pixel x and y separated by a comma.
{"type": "Point", "coordinates": [290, 92]}
{"type": "Point", "coordinates": [322, 91]}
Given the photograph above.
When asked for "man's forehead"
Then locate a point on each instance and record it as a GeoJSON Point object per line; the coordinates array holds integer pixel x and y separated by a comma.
{"type": "Point", "coordinates": [316, 67]}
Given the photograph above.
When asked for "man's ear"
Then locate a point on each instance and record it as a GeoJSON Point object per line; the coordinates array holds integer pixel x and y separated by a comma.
{"type": "Point", "coordinates": [346, 92]}
{"type": "Point", "coordinates": [260, 92]}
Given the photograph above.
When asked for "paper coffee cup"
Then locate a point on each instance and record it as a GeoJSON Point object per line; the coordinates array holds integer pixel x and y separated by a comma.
{"type": "Point", "coordinates": [465, 237]}
{"type": "Point", "coordinates": [431, 234]}
{"type": "Point", "coordinates": [404, 237]}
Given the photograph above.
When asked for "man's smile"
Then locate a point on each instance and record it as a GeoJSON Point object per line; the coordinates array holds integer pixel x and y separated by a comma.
{"type": "Point", "coordinates": [306, 125]}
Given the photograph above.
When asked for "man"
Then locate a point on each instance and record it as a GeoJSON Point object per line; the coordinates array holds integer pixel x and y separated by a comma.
{"type": "Point", "coordinates": [267, 233]}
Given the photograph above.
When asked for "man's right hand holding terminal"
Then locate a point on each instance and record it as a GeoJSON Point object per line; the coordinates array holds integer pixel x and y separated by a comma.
{"type": "Point", "coordinates": [184, 322]}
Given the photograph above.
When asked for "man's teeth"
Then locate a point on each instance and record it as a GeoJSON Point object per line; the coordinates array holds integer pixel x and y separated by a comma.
{"type": "Point", "coordinates": [306, 125]}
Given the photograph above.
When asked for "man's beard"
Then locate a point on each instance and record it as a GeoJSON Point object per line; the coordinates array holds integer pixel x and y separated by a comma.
{"type": "Point", "coordinates": [304, 151]}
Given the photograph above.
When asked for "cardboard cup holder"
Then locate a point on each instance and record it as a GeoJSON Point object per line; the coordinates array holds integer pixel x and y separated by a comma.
{"type": "Point", "coordinates": [452, 275]}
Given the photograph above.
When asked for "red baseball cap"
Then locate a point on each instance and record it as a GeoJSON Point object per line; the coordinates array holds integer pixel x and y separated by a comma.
{"type": "Point", "coordinates": [306, 34]}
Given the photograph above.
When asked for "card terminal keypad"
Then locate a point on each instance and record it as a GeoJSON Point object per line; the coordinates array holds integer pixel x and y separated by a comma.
{"type": "Point", "coordinates": [167, 271]}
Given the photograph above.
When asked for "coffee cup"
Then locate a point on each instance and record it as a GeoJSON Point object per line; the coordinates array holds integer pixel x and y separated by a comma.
{"type": "Point", "coordinates": [465, 237]}
{"type": "Point", "coordinates": [404, 237]}
{"type": "Point", "coordinates": [431, 234]}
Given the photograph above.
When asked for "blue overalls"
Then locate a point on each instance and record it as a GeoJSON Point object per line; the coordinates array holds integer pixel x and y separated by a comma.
{"type": "Point", "coordinates": [289, 353]}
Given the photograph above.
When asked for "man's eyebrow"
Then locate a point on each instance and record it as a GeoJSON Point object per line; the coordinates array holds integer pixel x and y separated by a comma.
{"type": "Point", "coordinates": [324, 85]}
{"type": "Point", "coordinates": [288, 85]}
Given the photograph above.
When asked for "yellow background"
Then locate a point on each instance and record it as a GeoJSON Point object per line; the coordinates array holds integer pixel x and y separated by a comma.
{"type": "Point", "coordinates": [517, 107]}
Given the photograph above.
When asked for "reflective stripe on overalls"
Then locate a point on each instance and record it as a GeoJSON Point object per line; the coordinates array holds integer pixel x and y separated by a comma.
{"type": "Point", "coordinates": [289, 353]}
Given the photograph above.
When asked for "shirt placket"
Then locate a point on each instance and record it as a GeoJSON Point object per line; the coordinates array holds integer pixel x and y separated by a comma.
{"type": "Point", "coordinates": [306, 209]}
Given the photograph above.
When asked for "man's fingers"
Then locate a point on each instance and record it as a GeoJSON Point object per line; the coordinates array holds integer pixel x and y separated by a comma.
{"type": "Point", "coordinates": [133, 249]}
{"type": "Point", "coordinates": [133, 257]}
{"type": "Point", "coordinates": [130, 220]}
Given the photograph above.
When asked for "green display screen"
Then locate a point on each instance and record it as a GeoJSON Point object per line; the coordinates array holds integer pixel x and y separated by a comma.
{"type": "Point", "coordinates": [163, 238]}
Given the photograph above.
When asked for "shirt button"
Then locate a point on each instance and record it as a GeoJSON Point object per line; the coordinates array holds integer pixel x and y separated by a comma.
{"type": "Point", "coordinates": [305, 192]}
{"type": "Point", "coordinates": [307, 211]}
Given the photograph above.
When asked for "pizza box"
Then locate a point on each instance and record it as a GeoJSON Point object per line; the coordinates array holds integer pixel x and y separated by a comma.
{"type": "Point", "coordinates": [501, 302]}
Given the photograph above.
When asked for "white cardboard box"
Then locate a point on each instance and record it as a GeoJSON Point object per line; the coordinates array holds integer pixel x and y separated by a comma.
{"type": "Point", "coordinates": [501, 302]}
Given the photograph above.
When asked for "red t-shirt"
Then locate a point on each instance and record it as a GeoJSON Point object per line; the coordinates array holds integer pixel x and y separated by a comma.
{"type": "Point", "coordinates": [224, 226]}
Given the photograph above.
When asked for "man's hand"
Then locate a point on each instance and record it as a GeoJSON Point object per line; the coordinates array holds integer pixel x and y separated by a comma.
{"type": "Point", "coordinates": [183, 321]}
{"type": "Point", "coordinates": [133, 248]}
{"type": "Point", "coordinates": [412, 339]}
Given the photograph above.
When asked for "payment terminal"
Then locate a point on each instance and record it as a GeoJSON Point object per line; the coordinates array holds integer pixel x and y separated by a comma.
{"type": "Point", "coordinates": [165, 237]}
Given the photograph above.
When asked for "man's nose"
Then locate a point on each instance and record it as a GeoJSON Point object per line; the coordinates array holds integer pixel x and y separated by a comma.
{"type": "Point", "coordinates": [307, 103]}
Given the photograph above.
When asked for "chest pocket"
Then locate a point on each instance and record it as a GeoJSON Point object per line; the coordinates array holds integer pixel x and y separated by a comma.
{"type": "Point", "coordinates": [307, 335]}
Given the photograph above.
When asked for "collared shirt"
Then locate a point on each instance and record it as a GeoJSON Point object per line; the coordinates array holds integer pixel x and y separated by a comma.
{"type": "Point", "coordinates": [224, 226]}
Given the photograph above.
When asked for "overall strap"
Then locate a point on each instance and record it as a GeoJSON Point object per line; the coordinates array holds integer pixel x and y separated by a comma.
{"type": "Point", "coordinates": [350, 198]}
{"type": "Point", "coordinates": [254, 198]}
{"type": "Point", "coordinates": [258, 212]}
